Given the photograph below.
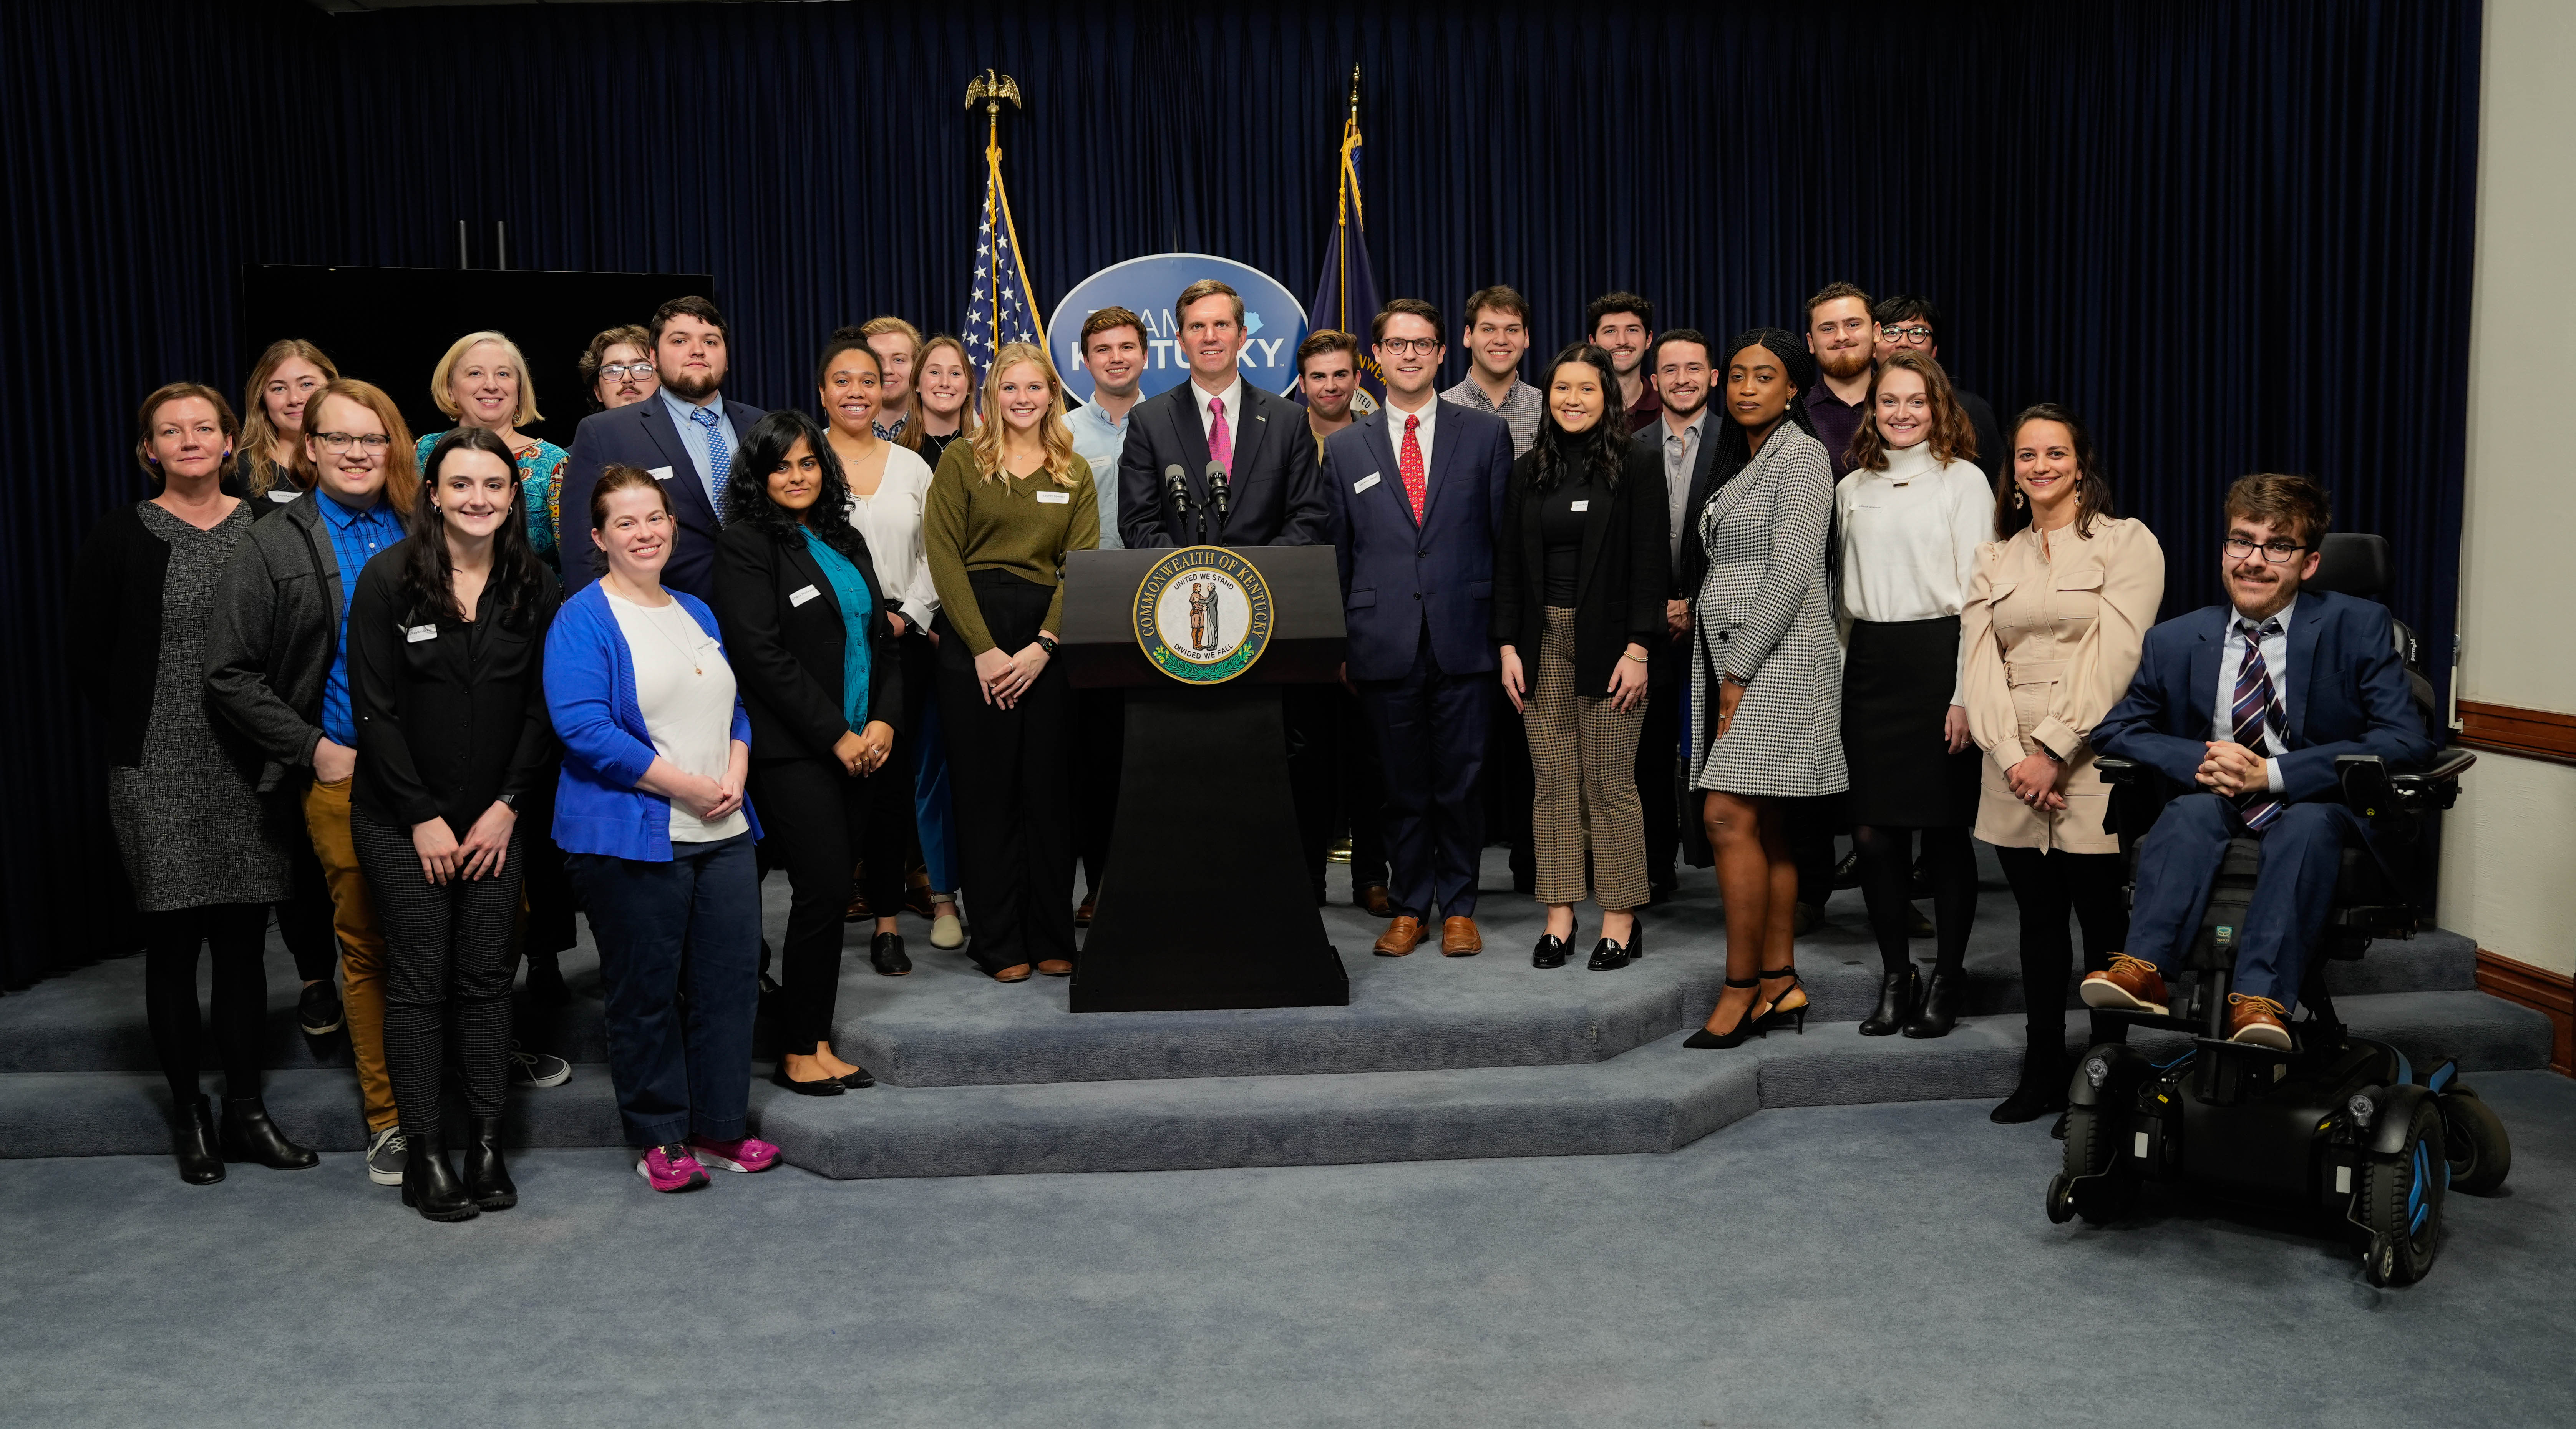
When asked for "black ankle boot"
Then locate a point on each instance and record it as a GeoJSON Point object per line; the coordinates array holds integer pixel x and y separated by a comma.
{"type": "Point", "coordinates": [2042, 1088]}
{"type": "Point", "coordinates": [250, 1136]}
{"type": "Point", "coordinates": [1895, 1003]}
{"type": "Point", "coordinates": [199, 1163]}
{"type": "Point", "coordinates": [487, 1181]}
{"type": "Point", "coordinates": [1941, 1002]}
{"type": "Point", "coordinates": [429, 1184]}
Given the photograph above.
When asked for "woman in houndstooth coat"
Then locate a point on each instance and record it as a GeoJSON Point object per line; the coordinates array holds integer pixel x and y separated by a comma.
{"type": "Point", "coordinates": [1766, 677]}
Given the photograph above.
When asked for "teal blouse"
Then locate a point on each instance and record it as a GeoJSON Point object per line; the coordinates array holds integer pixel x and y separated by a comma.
{"type": "Point", "coordinates": [851, 590]}
{"type": "Point", "coordinates": [541, 473]}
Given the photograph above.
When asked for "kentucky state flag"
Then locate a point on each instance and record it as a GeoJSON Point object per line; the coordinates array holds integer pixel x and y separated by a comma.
{"type": "Point", "coordinates": [1346, 296]}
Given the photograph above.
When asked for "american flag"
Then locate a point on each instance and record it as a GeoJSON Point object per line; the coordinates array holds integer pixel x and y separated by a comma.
{"type": "Point", "coordinates": [999, 308]}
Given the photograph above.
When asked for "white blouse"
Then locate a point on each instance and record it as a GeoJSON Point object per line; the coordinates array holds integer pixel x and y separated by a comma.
{"type": "Point", "coordinates": [890, 522]}
{"type": "Point", "coordinates": [685, 691]}
{"type": "Point", "coordinates": [1910, 536]}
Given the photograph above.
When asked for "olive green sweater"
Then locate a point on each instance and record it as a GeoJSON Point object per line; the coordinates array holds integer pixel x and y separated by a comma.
{"type": "Point", "coordinates": [1008, 524]}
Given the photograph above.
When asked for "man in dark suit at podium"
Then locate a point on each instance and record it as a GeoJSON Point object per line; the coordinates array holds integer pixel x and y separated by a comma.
{"type": "Point", "coordinates": [1416, 492]}
{"type": "Point", "coordinates": [686, 435]}
{"type": "Point", "coordinates": [1274, 490]}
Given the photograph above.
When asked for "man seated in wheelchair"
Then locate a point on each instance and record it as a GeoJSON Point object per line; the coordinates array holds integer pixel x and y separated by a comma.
{"type": "Point", "coordinates": [2252, 701]}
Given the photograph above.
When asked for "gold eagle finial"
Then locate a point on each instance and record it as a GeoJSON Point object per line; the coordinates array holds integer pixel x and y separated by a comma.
{"type": "Point", "coordinates": [990, 89]}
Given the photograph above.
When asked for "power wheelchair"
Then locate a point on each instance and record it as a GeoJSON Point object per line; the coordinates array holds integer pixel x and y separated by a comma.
{"type": "Point", "coordinates": [2341, 1125]}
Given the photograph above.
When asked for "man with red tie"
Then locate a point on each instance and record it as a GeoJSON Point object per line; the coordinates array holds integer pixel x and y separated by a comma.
{"type": "Point", "coordinates": [1415, 493]}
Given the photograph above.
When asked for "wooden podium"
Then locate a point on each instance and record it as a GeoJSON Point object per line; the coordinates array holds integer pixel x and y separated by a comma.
{"type": "Point", "coordinates": [1205, 902]}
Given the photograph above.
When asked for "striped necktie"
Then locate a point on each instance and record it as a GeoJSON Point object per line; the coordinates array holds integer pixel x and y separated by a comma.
{"type": "Point", "coordinates": [719, 457]}
{"type": "Point", "coordinates": [2252, 712]}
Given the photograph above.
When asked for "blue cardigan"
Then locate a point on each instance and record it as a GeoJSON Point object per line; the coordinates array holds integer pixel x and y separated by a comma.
{"type": "Point", "coordinates": [590, 693]}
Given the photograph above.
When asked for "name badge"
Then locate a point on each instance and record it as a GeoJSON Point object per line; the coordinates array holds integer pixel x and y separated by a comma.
{"type": "Point", "coordinates": [1055, 498]}
{"type": "Point", "coordinates": [802, 596]}
{"type": "Point", "coordinates": [419, 633]}
{"type": "Point", "coordinates": [1364, 483]}
{"type": "Point", "coordinates": [658, 473]}
{"type": "Point", "coordinates": [283, 494]}
{"type": "Point", "coordinates": [1584, 505]}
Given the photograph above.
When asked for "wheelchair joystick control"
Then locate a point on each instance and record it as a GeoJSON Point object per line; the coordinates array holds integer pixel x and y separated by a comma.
{"type": "Point", "coordinates": [2096, 1072]}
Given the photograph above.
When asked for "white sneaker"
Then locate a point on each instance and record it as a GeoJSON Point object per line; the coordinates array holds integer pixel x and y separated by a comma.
{"type": "Point", "coordinates": [385, 1153]}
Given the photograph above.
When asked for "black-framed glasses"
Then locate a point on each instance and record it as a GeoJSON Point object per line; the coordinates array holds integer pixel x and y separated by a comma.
{"type": "Point", "coordinates": [2279, 553]}
{"type": "Point", "coordinates": [337, 442]}
{"type": "Point", "coordinates": [1417, 346]}
{"type": "Point", "coordinates": [1908, 334]}
{"type": "Point", "coordinates": [620, 371]}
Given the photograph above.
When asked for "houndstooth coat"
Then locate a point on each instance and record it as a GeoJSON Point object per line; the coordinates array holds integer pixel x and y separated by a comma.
{"type": "Point", "coordinates": [1764, 615]}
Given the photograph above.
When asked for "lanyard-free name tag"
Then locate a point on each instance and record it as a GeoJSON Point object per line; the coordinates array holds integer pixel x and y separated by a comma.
{"type": "Point", "coordinates": [283, 494]}
{"type": "Point", "coordinates": [1055, 498]}
{"type": "Point", "coordinates": [1584, 505]}
{"type": "Point", "coordinates": [658, 473]}
{"type": "Point", "coordinates": [802, 596]}
{"type": "Point", "coordinates": [1364, 483]}
{"type": "Point", "coordinates": [419, 633]}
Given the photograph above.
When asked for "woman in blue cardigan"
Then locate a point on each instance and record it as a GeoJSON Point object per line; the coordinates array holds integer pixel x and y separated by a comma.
{"type": "Point", "coordinates": [651, 818]}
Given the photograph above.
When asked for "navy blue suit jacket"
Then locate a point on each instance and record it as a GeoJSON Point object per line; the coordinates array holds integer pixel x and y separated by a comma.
{"type": "Point", "coordinates": [1397, 574]}
{"type": "Point", "coordinates": [2347, 693]}
{"type": "Point", "coordinates": [1275, 495]}
{"type": "Point", "coordinates": [641, 434]}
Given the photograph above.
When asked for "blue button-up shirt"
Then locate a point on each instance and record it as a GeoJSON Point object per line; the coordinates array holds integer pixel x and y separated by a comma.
{"type": "Point", "coordinates": [1098, 438]}
{"type": "Point", "coordinates": [694, 437]}
{"type": "Point", "coordinates": [356, 537]}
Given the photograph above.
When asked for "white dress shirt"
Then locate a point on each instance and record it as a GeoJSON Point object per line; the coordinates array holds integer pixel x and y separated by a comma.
{"type": "Point", "coordinates": [890, 522]}
{"type": "Point", "coordinates": [1909, 540]}
{"type": "Point", "coordinates": [2276, 663]}
{"type": "Point", "coordinates": [1233, 410]}
{"type": "Point", "coordinates": [1430, 415]}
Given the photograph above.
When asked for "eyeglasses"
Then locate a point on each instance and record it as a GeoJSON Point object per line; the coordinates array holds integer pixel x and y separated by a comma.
{"type": "Point", "coordinates": [1913, 335]}
{"type": "Point", "coordinates": [337, 442]}
{"type": "Point", "coordinates": [1418, 346]}
{"type": "Point", "coordinates": [620, 371]}
{"type": "Point", "coordinates": [2279, 553]}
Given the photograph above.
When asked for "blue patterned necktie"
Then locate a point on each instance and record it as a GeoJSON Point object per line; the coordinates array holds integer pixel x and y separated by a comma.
{"type": "Point", "coordinates": [719, 456]}
{"type": "Point", "coordinates": [2251, 712]}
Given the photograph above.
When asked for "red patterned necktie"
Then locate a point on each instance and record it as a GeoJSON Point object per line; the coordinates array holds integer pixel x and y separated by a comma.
{"type": "Point", "coordinates": [1411, 466]}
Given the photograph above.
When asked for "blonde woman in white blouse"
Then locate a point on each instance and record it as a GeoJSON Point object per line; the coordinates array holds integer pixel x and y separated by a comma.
{"type": "Point", "coordinates": [888, 481]}
{"type": "Point", "coordinates": [1911, 516]}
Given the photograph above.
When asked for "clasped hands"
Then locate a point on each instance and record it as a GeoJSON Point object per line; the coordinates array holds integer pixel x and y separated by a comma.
{"type": "Point", "coordinates": [485, 849]}
{"type": "Point", "coordinates": [1004, 678]}
{"type": "Point", "coordinates": [863, 752]}
{"type": "Point", "coordinates": [2234, 770]}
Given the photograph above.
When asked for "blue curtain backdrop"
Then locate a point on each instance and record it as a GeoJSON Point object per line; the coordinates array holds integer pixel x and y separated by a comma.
{"type": "Point", "coordinates": [2236, 236]}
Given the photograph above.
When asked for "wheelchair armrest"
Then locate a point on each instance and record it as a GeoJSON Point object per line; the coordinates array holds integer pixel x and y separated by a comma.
{"type": "Point", "coordinates": [2370, 790]}
{"type": "Point", "coordinates": [2118, 771]}
{"type": "Point", "coordinates": [2437, 785]}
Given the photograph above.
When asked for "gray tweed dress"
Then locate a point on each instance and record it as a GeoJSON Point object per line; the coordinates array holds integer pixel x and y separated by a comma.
{"type": "Point", "coordinates": [190, 825]}
{"type": "Point", "coordinates": [1764, 616]}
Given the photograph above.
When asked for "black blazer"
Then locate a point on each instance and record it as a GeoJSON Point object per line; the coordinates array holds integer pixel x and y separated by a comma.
{"type": "Point", "coordinates": [454, 719]}
{"type": "Point", "coordinates": [115, 629]}
{"type": "Point", "coordinates": [1276, 491]}
{"type": "Point", "coordinates": [641, 434]}
{"type": "Point", "coordinates": [1690, 569]}
{"type": "Point", "coordinates": [786, 651]}
{"type": "Point", "coordinates": [1619, 587]}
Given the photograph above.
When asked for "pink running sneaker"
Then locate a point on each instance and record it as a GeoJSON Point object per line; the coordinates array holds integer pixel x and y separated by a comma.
{"type": "Point", "coordinates": [671, 1168]}
{"type": "Point", "coordinates": [747, 1154]}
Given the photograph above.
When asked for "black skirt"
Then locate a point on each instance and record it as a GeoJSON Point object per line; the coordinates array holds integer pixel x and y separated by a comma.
{"type": "Point", "coordinates": [1897, 678]}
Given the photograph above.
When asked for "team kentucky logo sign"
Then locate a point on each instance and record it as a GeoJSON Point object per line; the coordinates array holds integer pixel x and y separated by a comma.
{"type": "Point", "coordinates": [1202, 615]}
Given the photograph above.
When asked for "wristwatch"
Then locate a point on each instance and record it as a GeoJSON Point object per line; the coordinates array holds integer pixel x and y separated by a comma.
{"type": "Point", "coordinates": [1047, 644]}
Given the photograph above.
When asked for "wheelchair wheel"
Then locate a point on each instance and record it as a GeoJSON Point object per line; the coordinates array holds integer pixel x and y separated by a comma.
{"type": "Point", "coordinates": [2400, 1203]}
{"type": "Point", "coordinates": [2093, 1182]}
{"type": "Point", "coordinates": [2473, 1135]}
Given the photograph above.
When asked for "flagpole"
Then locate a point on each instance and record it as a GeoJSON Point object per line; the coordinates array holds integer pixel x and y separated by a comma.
{"type": "Point", "coordinates": [991, 88]}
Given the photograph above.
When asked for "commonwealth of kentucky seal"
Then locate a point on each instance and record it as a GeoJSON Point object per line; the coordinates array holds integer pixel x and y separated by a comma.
{"type": "Point", "coordinates": [1202, 615]}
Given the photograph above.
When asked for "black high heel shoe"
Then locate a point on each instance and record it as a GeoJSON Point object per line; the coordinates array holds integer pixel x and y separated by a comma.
{"type": "Point", "coordinates": [200, 1164]}
{"type": "Point", "coordinates": [1607, 956]}
{"type": "Point", "coordinates": [1778, 1016]}
{"type": "Point", "coordinates": [1895, 1004]}
{"type": "Point", "coordinates": [1748, 1025]}
{"type": "Point", "coordinates": [1939, 1011]}
{"type": "Point", "coordinates": [1551, 952]}
{"type": "Point", "coordinates": [250, 1136]}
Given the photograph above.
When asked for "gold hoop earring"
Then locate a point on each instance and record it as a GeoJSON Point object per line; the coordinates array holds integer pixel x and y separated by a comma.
{"type": "Point", "coordinates": [2018, 501]}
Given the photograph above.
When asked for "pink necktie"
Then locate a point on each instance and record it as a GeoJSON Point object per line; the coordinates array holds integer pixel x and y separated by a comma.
{"type": "Point", "coordinates": [1220, 438]}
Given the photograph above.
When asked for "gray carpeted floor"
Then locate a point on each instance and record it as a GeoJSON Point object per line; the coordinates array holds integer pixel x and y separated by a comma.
{"type": "Point", "coordinates": [1828, 1266]}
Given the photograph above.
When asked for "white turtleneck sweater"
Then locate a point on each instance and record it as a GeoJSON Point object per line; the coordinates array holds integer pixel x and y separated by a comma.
{"type": "Point", "coordinates": [1910, 536]}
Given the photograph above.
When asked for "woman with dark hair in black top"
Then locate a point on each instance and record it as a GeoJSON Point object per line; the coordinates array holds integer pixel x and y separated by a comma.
{"type": "Point", "coordinates": [447, 635]}
{"type": "Point", "coordinates": [822, 679]}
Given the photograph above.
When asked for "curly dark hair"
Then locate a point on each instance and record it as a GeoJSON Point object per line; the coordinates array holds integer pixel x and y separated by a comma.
{"type": "Point", "coordinates": [1602, 447]}
{"type": "Point", "coordinates": [428, 588]}
{"type": "Point", "coordinates": [764, 450]}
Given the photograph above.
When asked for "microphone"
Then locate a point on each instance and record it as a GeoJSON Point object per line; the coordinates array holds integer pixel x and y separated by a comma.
{"type": "Point", "coordinates": [1176, 485]}
{"type": "Point", "coordinates": [1218, 492]}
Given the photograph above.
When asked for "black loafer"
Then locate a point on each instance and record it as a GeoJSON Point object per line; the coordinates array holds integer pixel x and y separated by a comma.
{"type": "Point", "coordinates": [1550, 952]}
{"type": "Point", "coordinates": [858, 1079]}
{"type": "Point", "coordinates": [820, 1087]}
{"type": "Point", "coordinates": [1606, 956]}
{"type": "Point", "coordinates": [886, 952]}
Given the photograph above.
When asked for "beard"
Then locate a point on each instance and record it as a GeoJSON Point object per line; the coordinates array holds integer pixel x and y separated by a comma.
{"type": "Point", "coordinates": [695, 389]}
{"type": "Point", "coordinates": [1845, 363]}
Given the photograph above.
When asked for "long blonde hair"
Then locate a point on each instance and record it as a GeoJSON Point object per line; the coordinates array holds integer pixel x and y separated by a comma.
{"type": "Point", "coordinates": [1058, 437]}
{"type": "Point", "coordinates": [251, 462]}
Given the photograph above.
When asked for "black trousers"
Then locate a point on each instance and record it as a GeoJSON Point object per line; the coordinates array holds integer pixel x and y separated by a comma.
{"type": "Point", "coordinates": [2048, 885]}
{"type": "Point", "coordinates": [1007, 769]}
{"type": "Point", "coordinates": [1314, 770]}
{"type": "Point", "coordinates": [304, 920]}
{"type": "Point", "coordinates": [1099, 760]}
{"type": "Point", "coordinates": [1363, 780]}
{"type": "Point", "coordinates": [816, 821]}
{"type": "Point", "coordinates": [1510, 791]}
{"type": "Point", "coordinates": [447, 956]}
{"type": "Point", "coordinates": [238, 933]}
{"type": "Point", "coordinates": [1658, 759]}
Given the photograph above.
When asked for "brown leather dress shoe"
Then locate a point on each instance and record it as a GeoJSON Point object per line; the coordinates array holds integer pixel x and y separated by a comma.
{"type": "Point", "coordinates": [1459, 938]}
{"type": "Point", "coordinates": [2132, 985]}
{"type": "Point", "coordinates": [1376, 901]}
{"type": "Point", "coordinates": [1082, 912]}
{"type": "Point", "coordinates": [1055, 967]}
{"type": "Point", "coordinates": [2256, 1020]}
{"type": "Point", "coordinates": [1401, 937]}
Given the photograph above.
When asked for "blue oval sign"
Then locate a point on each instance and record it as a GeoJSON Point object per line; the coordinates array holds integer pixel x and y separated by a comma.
{"type": "Point", "coordinates": [1274, 322]}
